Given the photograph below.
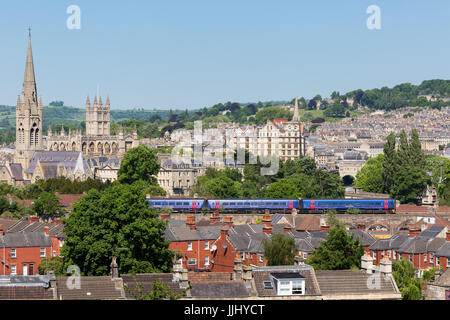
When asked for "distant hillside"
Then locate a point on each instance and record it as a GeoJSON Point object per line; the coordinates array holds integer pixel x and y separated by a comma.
{"type": "Point", "coordinates": [57, 115]}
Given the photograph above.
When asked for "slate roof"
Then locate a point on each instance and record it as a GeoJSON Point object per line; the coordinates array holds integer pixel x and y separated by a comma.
{"type": "Point", "coordinates": [182, 233]}
{"type": "Point", "coordinates": [146, 280]}
{"type": "Point", "coordinates": [247, 242]}
{"type": "Point", "coordinates": [444, 250]}
{"type": "Point", "coordinates": [434, 244]}
{"type": "Point", "coordinates": [50, 160]}
{"type": "Point", "coordinates": [263, 274]}
{"type": "Point", "coordinates": [432, 231]}
{"type": "Point", "coordinates": [7, 223]}
{"type": "Point", "coordinates": [25, 288]}
{"type": "Point", "coordinates": [340, 282]}
{"type": "Point", "coordinates": [444, 279]}
{"type": "Point", "coordinates": [365, 238]}
{"type": "Point", "coordinates": [25, 239]}
{"type": "Point", "coordinates": [91, 288]}
{"type": "Point", "coordinates": [16, 171]}
{"type": "Point", "coordinates": [229, 289]}
{"type": "Point", "coordinates": [414, 245]}
{"type": "Point", "coordinates": [23, 225]}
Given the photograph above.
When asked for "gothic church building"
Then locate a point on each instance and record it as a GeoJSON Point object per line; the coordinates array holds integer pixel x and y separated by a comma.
{"type": "Point", "coordinates": [59, 154]}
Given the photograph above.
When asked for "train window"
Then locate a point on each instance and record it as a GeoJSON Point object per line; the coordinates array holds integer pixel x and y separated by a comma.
{"type": "Point", "coordinates": [232, 203]}
{"type": "Point", "coordinates": [225, 203]}
{"type": "Point", "coordinates": [171, 203]}
{"type": "Point", "coordinates": [247, 204]}
{"type": "Point", "coordinates": [185, 203]}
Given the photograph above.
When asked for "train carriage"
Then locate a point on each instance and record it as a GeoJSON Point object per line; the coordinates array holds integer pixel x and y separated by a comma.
{"type": "Point", "coordinates": [278, 205]}
{"type": "Point", "coordinates": [273, 205]}
{"type": "Point", "coordinates": [341, 205]}
{"type": "Point", "coordinates": [177, 205]}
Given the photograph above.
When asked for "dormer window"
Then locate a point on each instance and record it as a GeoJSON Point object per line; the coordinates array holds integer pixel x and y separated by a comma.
{"type": "Point", "coordinates": [289, 284]}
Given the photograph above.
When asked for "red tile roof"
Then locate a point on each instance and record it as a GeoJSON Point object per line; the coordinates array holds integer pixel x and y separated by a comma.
{"type": "Point", "coordinates": [309, 223]}
{"type": "Point", "coordinates": [197, 277]}
{"type": "Point", "coordinates": [68, 199]}
{"type": "Point", "coordinates": [409, 208]}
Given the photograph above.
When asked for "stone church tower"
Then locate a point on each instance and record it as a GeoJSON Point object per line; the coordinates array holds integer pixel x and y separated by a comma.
{"type": "Point", "coordinates": [97, 118]}
{"type": "Point", "coordinates": [28, 116]}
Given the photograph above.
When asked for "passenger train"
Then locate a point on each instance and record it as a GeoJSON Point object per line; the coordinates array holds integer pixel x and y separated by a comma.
{"type": "Point", "coordinates": [273, 205]}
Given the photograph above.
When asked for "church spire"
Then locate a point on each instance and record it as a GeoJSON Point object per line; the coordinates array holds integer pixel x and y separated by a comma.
{"type": "Point", "coordinates": [296, 117]}
{"type": "Point", "coordinates": [29, 84]}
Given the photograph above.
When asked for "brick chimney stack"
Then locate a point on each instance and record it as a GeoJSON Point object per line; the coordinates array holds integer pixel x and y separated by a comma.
{"type": "Point", "coordinates": [190, 222]}
{"type": "Point", "coordinates": [228, 220]}
{"type": "Point", "coordinates": [448, 235]}
{"type": "Point", "coordinates": [386, 265]}
{"type": "Point", "coordinates": [47, 230]}
{"type": "Point", "coordinates": [361, 226]}
{"type": "Point", "coordinates": [2, 233]}
{"type": "Point", "coordinates": [267, 229]}
{"type": "Point", "coordinates": [287, 228]}
{"type": "Point", "coordinates": [224, 232]}
{"type": "Point", "coordinates": [324, 228]}
{"type": "Point", "coordinates": [267, 220]}
{"type": "Point", "coordinates": [413, 232]}
{"type": "Point", "coordinates": [215, 218]}
{"type": "Point", "coordinates": [33, 219]}
{"type": "Point", "coordinates": [237, 269]}
{"type": "Point", "coordinates": [164, 216]}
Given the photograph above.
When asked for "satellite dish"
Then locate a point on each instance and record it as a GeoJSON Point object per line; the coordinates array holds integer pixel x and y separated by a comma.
{"type": "Point", "coordinates": [224, 246]}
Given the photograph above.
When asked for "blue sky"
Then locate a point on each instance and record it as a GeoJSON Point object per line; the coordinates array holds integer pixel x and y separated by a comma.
{"type": "Point", "coordinates": [191, 54]}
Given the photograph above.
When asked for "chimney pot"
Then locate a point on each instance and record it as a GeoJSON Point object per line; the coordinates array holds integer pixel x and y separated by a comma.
{"type": "Point", "coordinates": [47, 230]}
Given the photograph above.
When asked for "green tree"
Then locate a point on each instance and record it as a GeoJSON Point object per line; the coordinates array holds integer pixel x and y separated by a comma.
{"type": "Point", "coordinates": [409, 178]}
{"type": "Point", "coordinates": [139, 163]}
{"type": "Point", "coordinates": [370, 177]}
{"type": "Point", "coordinates": [415, 150]}
{"type": "Point", "coordinates": [116, 221]}
{"type": "Point", "coordinates": [55, 264]}
{"type": "Point", "coordinates": [340, 251]}
{"type": "Point", "coordinates": [282, 189]}
{"type": "Point", "coordinates": [404, 276]}
{"type": "Point", "coordinates": [280, 250]}
{"type": "Point", "coordinates": [48, 206]}
{"type": "Point", "coordinates": [160, 291]}
{"type": "Point", "coordinates": [271, 113]}
{"type": "Point", "coordinates": [388, 166]}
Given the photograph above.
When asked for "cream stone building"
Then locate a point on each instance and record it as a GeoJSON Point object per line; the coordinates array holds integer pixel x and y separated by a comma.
{"type": "Point", "coordinates": [98, 140]}
{"type": "Point", "coordinates": [31, 161]}
{"type": "Point", "coordinates": [28, 116]}
{"type": "Point", "coordinates": [280, 137]}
